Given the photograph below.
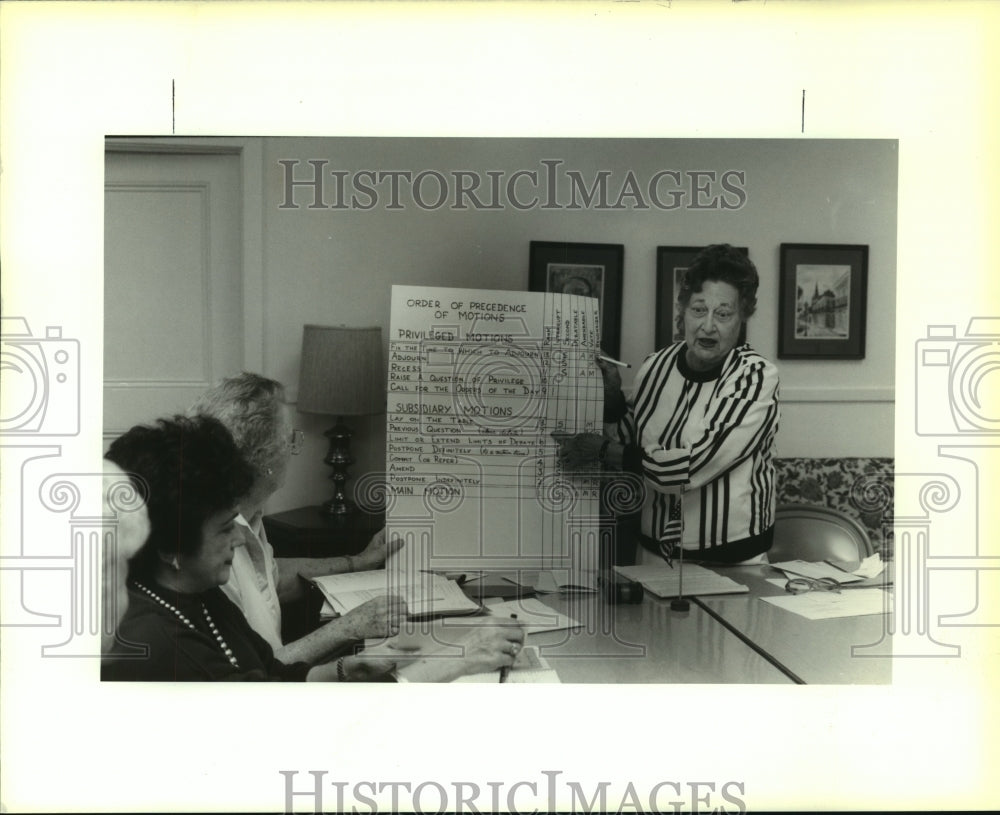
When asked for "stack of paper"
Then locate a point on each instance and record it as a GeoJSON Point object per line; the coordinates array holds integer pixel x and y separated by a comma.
{"type": "Point", "coordinates": [866, 574]}
{"type": "Point", "coordinates": [663, 581]}
{"type": "Point", "coordinates": [565, 582]}
{"type": "Point", "coordinates": [533, 614]}
{"type": "Point", "coordinates": [815, 571]}
{"type": "Point", "coordinates": [825, 605]}
{"type": "Point", "coordinates": [425, 593]}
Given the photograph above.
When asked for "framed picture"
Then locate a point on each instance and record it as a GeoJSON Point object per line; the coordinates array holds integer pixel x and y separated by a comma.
{"type": "Point", "coordinates": [591, 269]}
{"type": "Point", "coordinates": [822, 311]}
{"type": "Point", "coordinates": [671, 263]}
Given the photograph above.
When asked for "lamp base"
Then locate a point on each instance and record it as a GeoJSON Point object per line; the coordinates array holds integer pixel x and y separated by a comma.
{"type": "Point", "coordinates": [338, 457]}
{"type": "Point", "coordinates": [338, 508]}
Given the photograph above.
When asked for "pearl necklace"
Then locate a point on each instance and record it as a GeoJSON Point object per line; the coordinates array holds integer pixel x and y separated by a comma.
{"type": "Point", "coordinates": [208, 618]}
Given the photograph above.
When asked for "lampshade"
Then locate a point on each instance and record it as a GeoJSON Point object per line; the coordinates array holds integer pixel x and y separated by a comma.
{"type": "Point", "coordinates": [341, 372]}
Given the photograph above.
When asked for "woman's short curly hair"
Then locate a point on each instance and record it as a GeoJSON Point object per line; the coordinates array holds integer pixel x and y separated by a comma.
{"type": "Point", "coordinates": [249, 405]}
{"type": "Point", "coordinates": [187, 468]}
{"type": "Point", "coordinates": [720, 262]}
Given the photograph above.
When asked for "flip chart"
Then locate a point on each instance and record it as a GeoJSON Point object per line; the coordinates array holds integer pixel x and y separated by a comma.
{"type": "Point", "coordinates": [478, 382]}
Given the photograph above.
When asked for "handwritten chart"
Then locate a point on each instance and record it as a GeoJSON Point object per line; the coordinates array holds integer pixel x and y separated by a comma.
{"type": "Point", "coordinates": [478, 380]}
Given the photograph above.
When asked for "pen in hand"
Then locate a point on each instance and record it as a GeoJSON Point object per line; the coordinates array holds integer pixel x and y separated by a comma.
{"type": "Point", "coordinates": [505, 670]}
{"type": "Point", "coordinates": [613, 361]}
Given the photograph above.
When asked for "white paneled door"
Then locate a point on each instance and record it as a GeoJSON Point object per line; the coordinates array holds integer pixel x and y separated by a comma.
{"type": "Point", "coordinates": [173, 300]}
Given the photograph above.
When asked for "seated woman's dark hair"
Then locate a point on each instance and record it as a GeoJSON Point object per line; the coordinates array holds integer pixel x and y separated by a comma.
{"type": "Point", "coordinates": [187, 469]}
{"type": "Point", "coordinates": [723, 263]}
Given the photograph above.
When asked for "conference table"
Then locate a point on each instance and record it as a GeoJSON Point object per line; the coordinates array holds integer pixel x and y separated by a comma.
{"type": "Point", "coordinates": [646, 642]}
{"type": "Point", "coordinates": [841, 650]}
{"type": "Point", "coordinates": [720, 639]}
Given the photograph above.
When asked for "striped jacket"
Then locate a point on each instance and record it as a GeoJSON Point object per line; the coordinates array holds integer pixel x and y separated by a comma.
{"type": "Point", "coordinates": [708, 436]}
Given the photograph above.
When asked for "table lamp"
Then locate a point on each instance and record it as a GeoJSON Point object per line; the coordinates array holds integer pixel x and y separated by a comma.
{"type": "Point", "coordinates": [341, 375]}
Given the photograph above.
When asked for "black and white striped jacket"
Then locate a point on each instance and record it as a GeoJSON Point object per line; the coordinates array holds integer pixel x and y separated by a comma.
{"type": "Point", "coordinates": [708, 436]}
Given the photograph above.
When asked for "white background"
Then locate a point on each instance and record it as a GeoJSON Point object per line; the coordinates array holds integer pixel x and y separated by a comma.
{"type": "Point", "coordinates": [924, 73]}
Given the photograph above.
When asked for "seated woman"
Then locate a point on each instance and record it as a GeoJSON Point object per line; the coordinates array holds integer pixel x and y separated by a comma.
{"type": "Point", "coordinates": [253, 409]}
{"type": "Point", "coordinates": [191, 474]}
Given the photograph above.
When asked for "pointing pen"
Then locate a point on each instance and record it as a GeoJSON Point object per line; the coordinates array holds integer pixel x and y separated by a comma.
{"type": "Point", "coordinates": [613, 361]}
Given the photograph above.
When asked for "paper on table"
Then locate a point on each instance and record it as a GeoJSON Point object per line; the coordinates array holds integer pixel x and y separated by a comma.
{"type": "Point", "coordinates": [526, 578]}
{"type": "Point", "coordinates": [444, 640]}
{"type": "Point", "coordinates": [816, 570]}
{"type": "Point", "coordinates": [528, 668]}
{"type": "Point", "coordinates": [867, 583]}
{"type": "Point", "coordinates": [565, 581]}
{"type": "Point", "coordinates": [665, 582]}
{"type": "Point", "coordinates": [576, 581]}
{"type": "Point", "coordinates": [824, 605]}
{"type": "Point", "coordinates": [534, 615]}
{"type": "Point", "coordinates": [871, 566]}
{"type": "Point", "coordinates": [546, 583]}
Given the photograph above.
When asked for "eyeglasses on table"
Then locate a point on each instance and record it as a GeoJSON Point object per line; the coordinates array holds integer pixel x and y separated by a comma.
{"type": "Point", "coordinates": [801, 585]}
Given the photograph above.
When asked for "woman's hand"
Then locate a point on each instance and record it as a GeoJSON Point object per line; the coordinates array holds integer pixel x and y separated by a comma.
{"type": "Point", "coordinates": [376, 618]}
{"type": "Point", "coordinates": [361, 668]}
{"type": "Point", "coordinates": [492, 645]}
{"type": "Point", "coordinates": [356, 668]}
{"type": "Point", "coordinates": [612, 378]}
{"type": "Point", "coordinates": [378, 549]}
{"type": "Point", "coordinates": [486, 644]}
{"type": "Point", "coordinates": [580, 452]}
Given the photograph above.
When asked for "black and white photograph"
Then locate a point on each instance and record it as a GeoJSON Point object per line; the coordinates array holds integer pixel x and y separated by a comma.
{"type": "Point", "coordinates": [823, 301]}
{"type": "Point", "coordinates": [355, 372]}
{"type": "Point", "coordinates": [586, 269]}
{"type": "Point", "coordinates": [576, 278]}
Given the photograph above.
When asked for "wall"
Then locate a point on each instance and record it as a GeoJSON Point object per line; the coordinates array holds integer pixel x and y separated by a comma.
{"type": "Point", "coordinates": [336, 266]}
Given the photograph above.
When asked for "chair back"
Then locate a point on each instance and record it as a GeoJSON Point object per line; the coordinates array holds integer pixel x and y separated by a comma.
{"type": "Point", "coordinates": [817, 533]}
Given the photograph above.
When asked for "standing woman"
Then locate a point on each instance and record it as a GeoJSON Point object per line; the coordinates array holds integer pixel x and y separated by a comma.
{"type": "Point", "coordinates": [700, 427]}
{"type": "Point", "coordinates": [253, 409]}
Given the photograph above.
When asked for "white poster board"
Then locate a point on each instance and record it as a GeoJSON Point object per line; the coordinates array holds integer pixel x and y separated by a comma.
{"type": "Point", "coordinates": [478, 382]}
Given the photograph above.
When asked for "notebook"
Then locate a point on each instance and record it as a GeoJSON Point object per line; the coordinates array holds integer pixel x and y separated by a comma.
{"type": "Point", "coordinates": [425, 593]}
{"type": "Point", "coordinates": [662, 581]}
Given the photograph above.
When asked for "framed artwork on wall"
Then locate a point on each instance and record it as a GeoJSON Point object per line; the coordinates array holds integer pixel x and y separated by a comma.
{"type": "Point", "coordinates": [822, 301]}
{"type": "Point", "coordinates": [590, 269]}
{"type": "Point", "coordinates": [671, 263]}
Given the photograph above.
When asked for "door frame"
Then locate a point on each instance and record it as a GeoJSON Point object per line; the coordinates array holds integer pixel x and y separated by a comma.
{"type": "Point", "coordinates": [251, 155]}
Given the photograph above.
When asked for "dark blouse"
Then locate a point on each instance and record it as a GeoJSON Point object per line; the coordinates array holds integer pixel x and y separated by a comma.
{"type": "Point", "coordinates": [154, 645]}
